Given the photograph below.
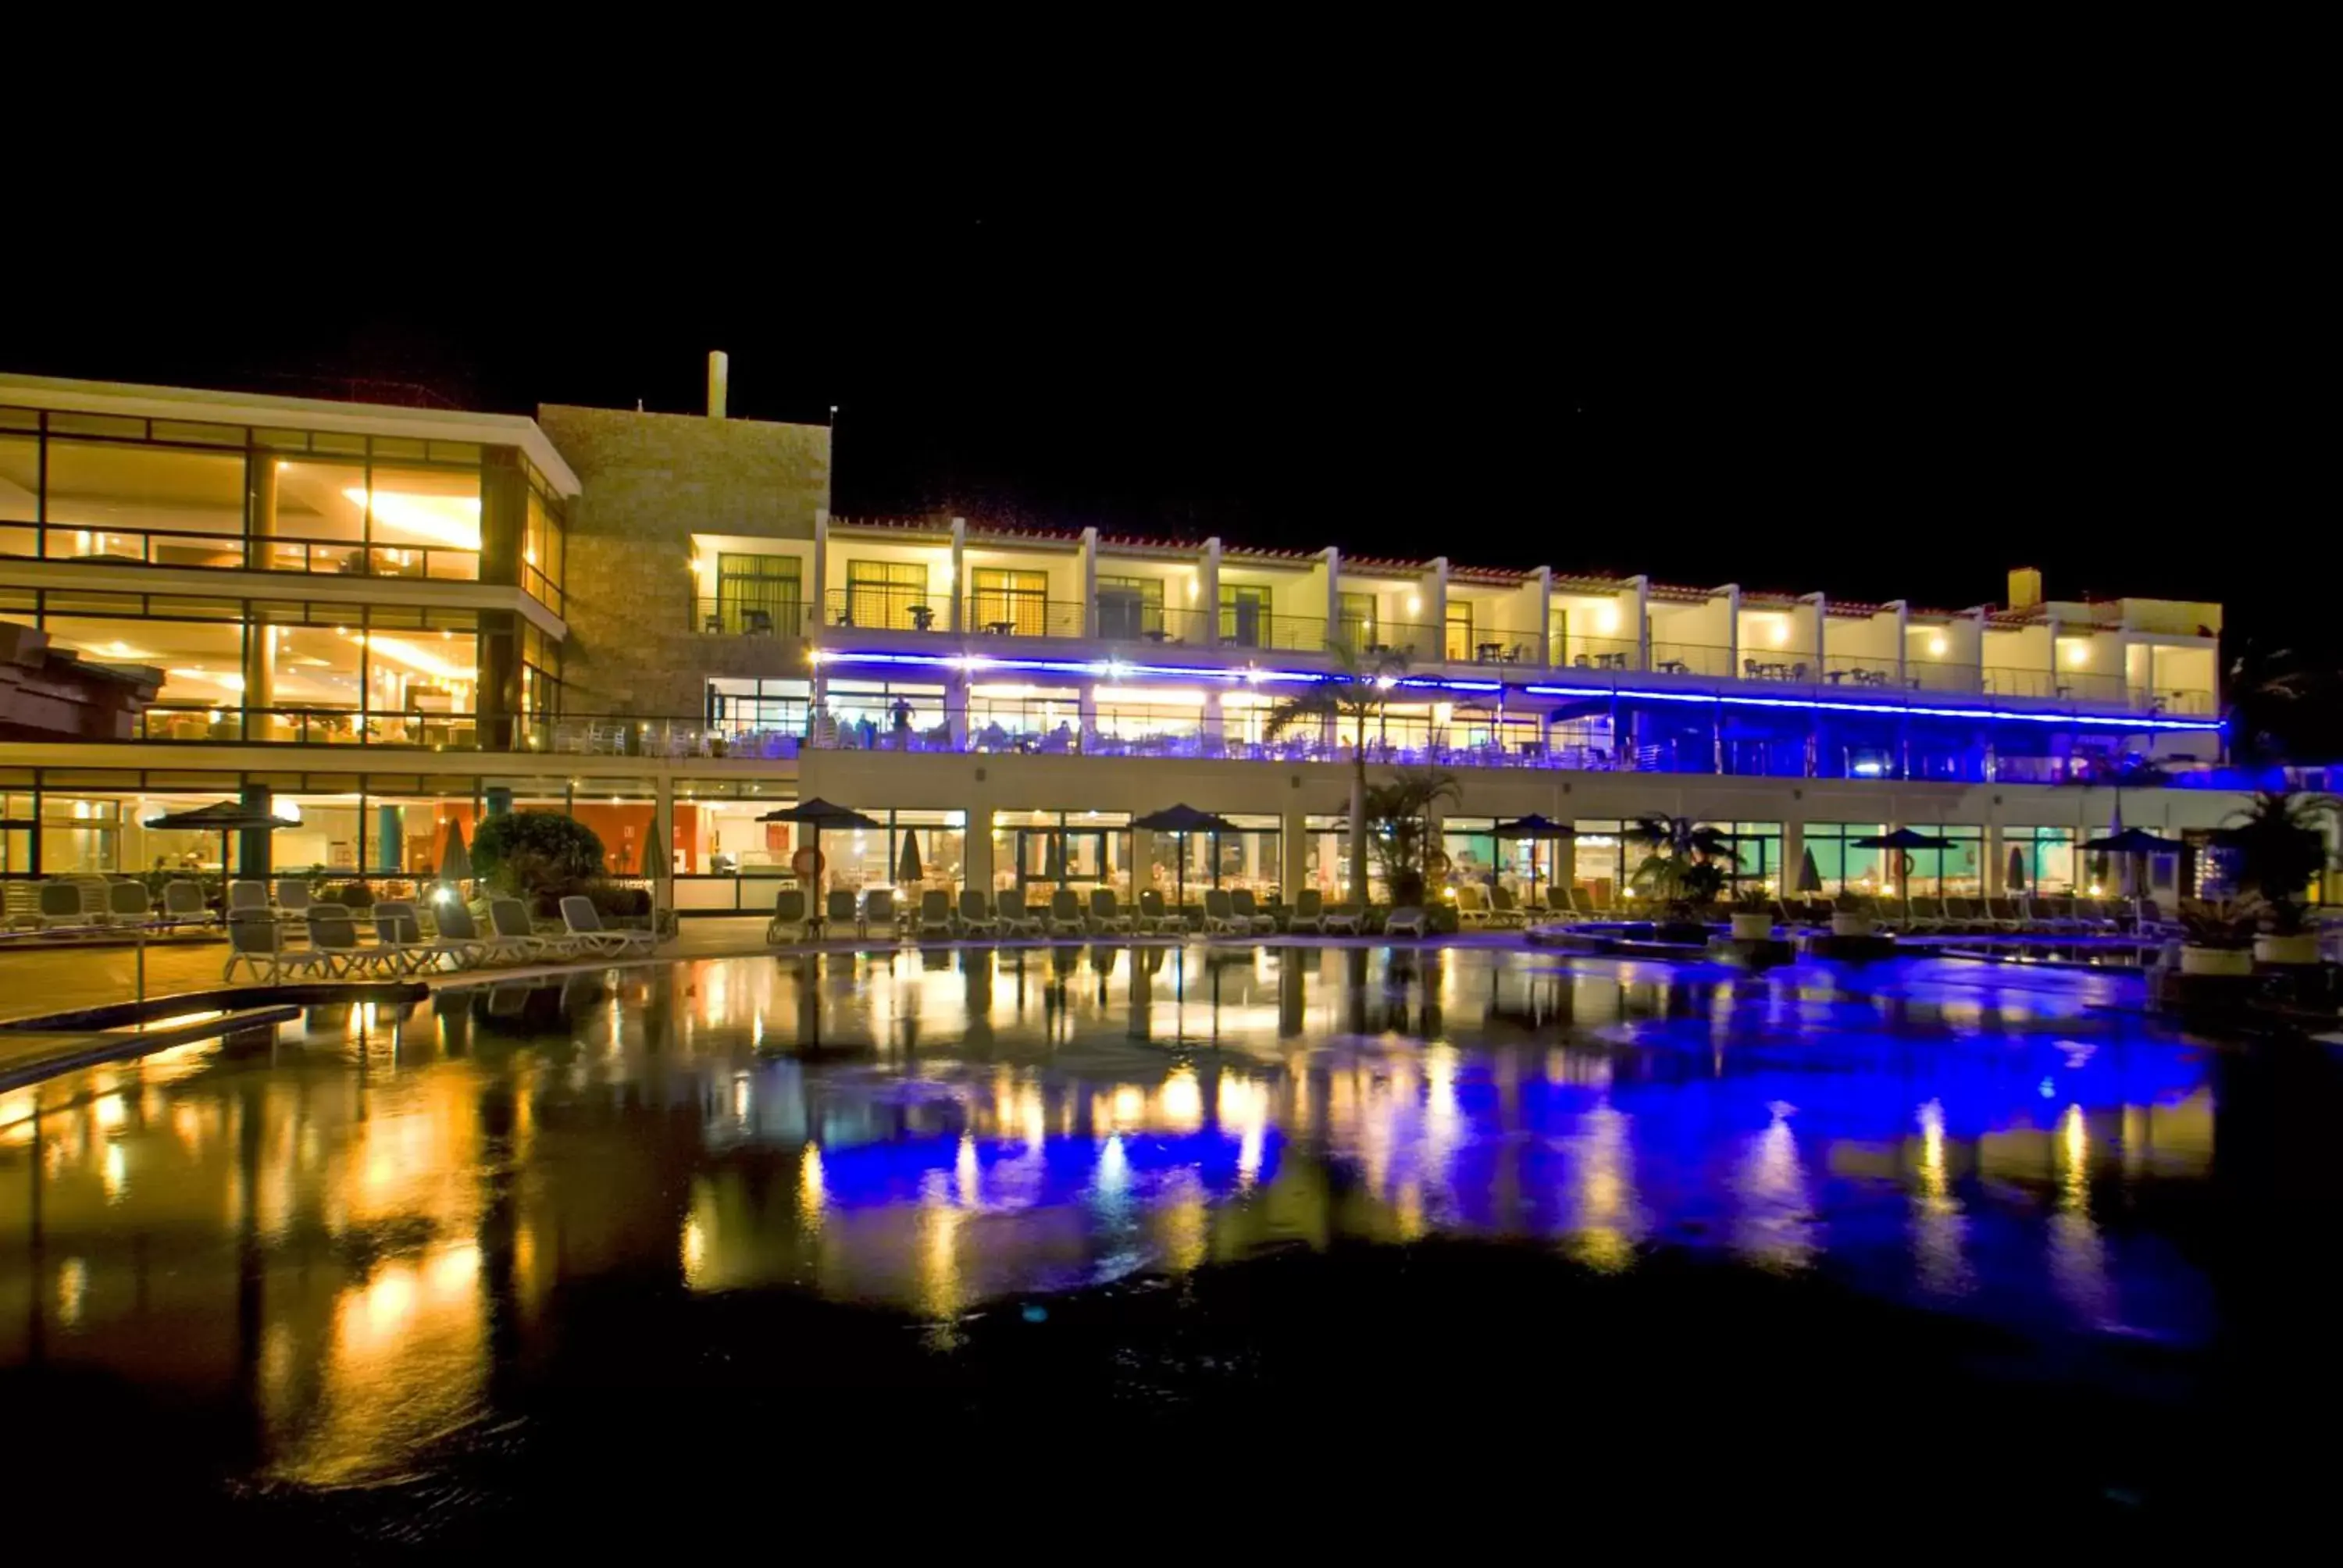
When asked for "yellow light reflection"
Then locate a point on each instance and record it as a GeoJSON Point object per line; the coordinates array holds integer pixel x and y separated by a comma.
{"type": "Point", "coordinates": [810, 1196]}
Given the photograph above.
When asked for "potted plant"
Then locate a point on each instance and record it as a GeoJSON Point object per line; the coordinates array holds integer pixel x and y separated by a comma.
{"type": "Point", "coordinates": [2219, 937]}
{"type": "Point", "coordinates": [1753, 915]}
{"type": "Point", "coordinates": [1683, 868]}
{"type": "Point", "coordinates": [1847, 922]}
{"type": "Point", "coordinates": [2276, 850]}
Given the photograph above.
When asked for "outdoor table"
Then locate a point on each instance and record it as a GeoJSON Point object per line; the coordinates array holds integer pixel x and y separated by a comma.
{"type": "Point", "coordinates": [1673, 666]}
{"type": "Point", "coordinates": [999, 628]}
{"type": "Point", "coordinates": [1489, 652]}
{"type": "Point", "coordinates": [923, 617]}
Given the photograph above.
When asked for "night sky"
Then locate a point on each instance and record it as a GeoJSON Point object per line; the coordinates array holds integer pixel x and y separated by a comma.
{"type": "Point", "coordinates": [1793, 349]}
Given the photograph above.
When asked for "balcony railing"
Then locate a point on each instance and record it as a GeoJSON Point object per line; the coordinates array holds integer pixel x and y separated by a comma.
{"type": "Point", "coordinates": [998, 613]}
{"type": "Point", "coordinates": [1600, 653]}
{"type": "Point", "coordinates": [883, 607]}
{"type": "Point", "coordinates": [1696, 658]}
{"type": "Point", "coordinates": [1160, 626]}
{"type": "Point", "coordinates": [1495, 645]}
{"type": "Point", "coordinates": [233, 552]}
{"type": "Point", "coordinates": [1242, 625]}
{"type": "Point", "coordinates": [732, 617]}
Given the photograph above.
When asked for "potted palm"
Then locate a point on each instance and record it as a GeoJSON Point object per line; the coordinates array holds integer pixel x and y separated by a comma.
{"type": "Point", "coordinates": [2219, 937]}
{"type": "Point", "coordinates": [2277, 849]}
{"type": "Point", "coordinates": [1753, 915]}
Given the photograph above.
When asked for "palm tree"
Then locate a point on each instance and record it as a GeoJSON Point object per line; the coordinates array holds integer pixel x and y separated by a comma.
{"type": "Point", "coordinates": [1358, 690]}
{"type": "Point", "coordinates": [2279, 849]}
{"type": "Point", "coordinates": [1686, 860]}
{"type": "Point", "coordinates": [1400, 813]}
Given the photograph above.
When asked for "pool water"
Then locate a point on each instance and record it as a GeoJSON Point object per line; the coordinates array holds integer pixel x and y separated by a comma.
{"type": "Point", "coordinates": [365, 1231]}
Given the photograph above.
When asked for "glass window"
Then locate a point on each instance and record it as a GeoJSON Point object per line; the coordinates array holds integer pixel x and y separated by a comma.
{"type": "Point", "coordinates": [80, 835]}
{"type": "Point", "coordinates": [420, 687]}
{"type": "Point", "coordinates": [20, 494]}
{"type": "Point", "coordinates": [758, 593]}
{"type": "Point", "coordinates": [424, 522]}
{"type": "Point", "coordinates": [1359, 628]}
{"type": "Point", "coordinates": [544, 546]}
{"type": "Point", "coordinates": [1599, 859]}
{"type": "Point", "coordinates": [313, 513]}
{"type": "Point", "coordinates": [1757, 854]}
{"type": "Point", "coordinates": [1017, 601]}
{"type": "Point", "coordinates": [1130, 608]}
{"type": "Point", "coordinates": [1845, 869]}
{"type": "Point", "coordinates": [2047, 855]}
{"type": "Point", "coordinates": [153, 504]}
{"type": "Point", "coordinates": [1244, 615]}
{"type": "Point", "coordinates": [886, 593]}
{"type": "Point", "coordinates": [1460, 630]}
{"type": "Point", "coordinates": [1957, 871]}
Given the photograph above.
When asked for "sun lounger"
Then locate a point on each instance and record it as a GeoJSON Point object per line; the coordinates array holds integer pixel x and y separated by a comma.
{"type": "Point", "coordinates": [1408, 921]}
{"type": "Point", "coordinates": [1221, 916]}
{"type": "Point", "coordinates": [789, 922]}
{"type": "Point", "coordinates": [1107, 916]}
{"type": "Point", "coordinates": [1008, 904]}
{"type": "Point", "coordinates": [975, 917]}
{"type": "Point", "coordinates": [1471, 906]}
{"type": "Point", "coordinates": [1348, 919]}
{"type": "Point", "coordinates": [1066, 914]}
{"type": "Point", "coordinates": [1309, 911]}
{"type": "Point", "coordinates": [935, 914]}
{"type": "Point", "coordinates": [1154, 917]}
{"type": "Point", "coordinates": [878, 912]}
{"type": "Point", "coordinates": [1241, 905]}
{"type": "Point", "coordinates": [516, 932]}
{"type": "Point", "coordinates": [841, 910]}
{"type": "Point", "coordinates": [584, 923]}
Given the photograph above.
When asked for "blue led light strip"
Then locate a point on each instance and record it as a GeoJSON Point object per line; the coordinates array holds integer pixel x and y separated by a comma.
{"type": "Point", "coordinates": [1882, 709]}
{"type": "Point", "coordinates": [1115, 669]}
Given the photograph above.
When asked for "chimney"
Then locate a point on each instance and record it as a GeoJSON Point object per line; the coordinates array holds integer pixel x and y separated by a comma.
{"type": "Point", "coordinates": [2025, 587]}
{"type": "Point", "coordinates": [719, 371]}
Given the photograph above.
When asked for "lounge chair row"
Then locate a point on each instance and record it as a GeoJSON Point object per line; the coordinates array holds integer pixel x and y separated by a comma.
{"type": "Point", "coordinates": [1226, 913]}
{"type": "Point", "coordinates": [256, 941]}
{"type": "Point", "coordinates": [85, 901]}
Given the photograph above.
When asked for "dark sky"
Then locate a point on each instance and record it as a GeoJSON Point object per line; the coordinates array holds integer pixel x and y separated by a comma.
{"type": "Point", "coordinates": [1797, 342]}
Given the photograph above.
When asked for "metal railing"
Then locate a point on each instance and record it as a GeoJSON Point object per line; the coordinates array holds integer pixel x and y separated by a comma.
{"type": "Point", "coordinates": [1610, 654]}
{"type": "Point", "coordinates": [189, 549]}
{"type": "Point", "coordinates": [1495, 645]}
{"type": "Point", "coordinates": [1242, 625]}
{"type": "Point", "coordinates": [309, 727]}
{"type": "Point", "coordinates": [1159, 625]}
{"type": "Point", "coordinates": [733, 618]}
{"type": "Point", "coordinates": [1696, 658]}
{"type": "Point", "coordinates": [887, 607]}
{"type": "Point", "coordinates": [995, 612]}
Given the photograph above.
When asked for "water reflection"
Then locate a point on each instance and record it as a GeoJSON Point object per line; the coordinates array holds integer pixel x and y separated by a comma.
{"type": "Point", "coordinates": [356, 1222]}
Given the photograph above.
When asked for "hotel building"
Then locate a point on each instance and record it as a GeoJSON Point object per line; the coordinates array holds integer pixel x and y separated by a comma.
{"type": "Point", "coordinates": [387, 620]}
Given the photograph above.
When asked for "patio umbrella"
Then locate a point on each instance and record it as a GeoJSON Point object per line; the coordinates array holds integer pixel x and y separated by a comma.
{"type": "Point", "coordinates": [1537, 829]}
{"type": "Point", "coordinates": [909, 872]}
{"type": "Point", "coordinates": [1183, 820]}
{"type": "Point", "coordinates": [221, 817]}
{"type": "Point", "coordinates": [1904, 840]}
{"type": "Point", "coordinates": [817, 813]}
{"type": "Point", "coordinates": [455, 859]}
{"type": "Point", "coordinates": [2135, 844]}
{"type": "Point", "coordinates": [1810, 876]}
{"type": "Point", "coordinates": [2015, 882]}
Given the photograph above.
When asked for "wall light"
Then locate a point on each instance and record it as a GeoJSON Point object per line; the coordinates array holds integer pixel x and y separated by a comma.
{"type": "Point", "coordinates": [1415, 604]}
{"type": "Point", "coordinates": [1780, 631]}
{"type": "Point", "coordinates": [1606, 619]}
{"type": "Point", "coordinates": [1936, 645]}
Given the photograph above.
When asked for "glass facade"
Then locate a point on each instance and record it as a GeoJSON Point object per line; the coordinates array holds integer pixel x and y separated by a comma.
{"type": "Point", "coordinates": [1845, 869]}
{"type": "Point", "coordinates": [274, 670]}
{"type": "Point", "coordinates": [193, 495]}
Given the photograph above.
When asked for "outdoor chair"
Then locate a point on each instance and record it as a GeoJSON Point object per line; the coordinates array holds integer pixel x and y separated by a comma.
{"type": "Point", "coordinates": [839, 911]}
{"type": "Point", "coordinates": [975, 916]}
{"type": "Point", "coordinates": [252, 942]}
{"type": "Point", "coordinates": [1471, 906]}
{"type": "Point", "coordinates": [935, 913]}
{"type": "Point", "coordinates": [399, 932]}
{"type": "Point", "coordinates": [1221, 915]}
{"type": "Point", "coordinates": [60, 905]}
{"type": "Point", "coordinates": [1154, 917]}
{"type": "Point", "coordinates": [1347, 919]}
{"type": "Point", "coordinates": [183, 904]}
{"type": "Point", "coordinates": [1503, 911]}
{"type": "Point", "coordinates": [334, 945]}
{"type": "Point", "coordinates": [1407, 921]}
{"type": "Point", "coordinates": [460, 936]}
{"type": "Point", "coordinates": [244, 895]}
{"type": "Point", "coordinates": [584, 924]}
{"type": "Point", "coordinates": [1108, 915]}
{"type": "Point", "coordinates": [1066, 914]}
{"type": "Point", "coordinates": [1309, 911]}
{"type": "Point", "coordinates": [878, 910]}
{"type": "Point", "coordinates": [1008, 904]}
{"type": "Point", "coordinates": [516, 932]}
{"type": "Point", "coordinates": [128, 901]}
{"type": "Point", "coordinates": [788, 921]}
{"type": "Point", "coordinates": [292, 896]}
{"type": "Point", "coordinates": [1241, 905]}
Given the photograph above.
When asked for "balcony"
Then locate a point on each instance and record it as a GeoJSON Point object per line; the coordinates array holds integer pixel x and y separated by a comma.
{"type": "Point", "coordinates": [233, 552]}
{"type": "Point", "coordinates": [1000, 613]}
{"type": "Point", "coordinates": [1492, 645]}
{"type": "Point", "coordinates": [734, 618]}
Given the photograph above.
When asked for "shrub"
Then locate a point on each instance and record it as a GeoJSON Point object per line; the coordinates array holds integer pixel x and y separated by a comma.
{"type": "Point", "coordinates": [527, 852]}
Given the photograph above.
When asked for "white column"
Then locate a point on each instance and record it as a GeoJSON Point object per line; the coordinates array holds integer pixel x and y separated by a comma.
{"type": "Point", "coordinates": [1088, 565]}
{"type": "Point", "coordinates": [959, 573]}
{"type": "Point", "coordinates": [1292, 851]}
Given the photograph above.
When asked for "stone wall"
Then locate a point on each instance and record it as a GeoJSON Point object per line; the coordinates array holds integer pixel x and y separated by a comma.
{"type": "Point", "coordinates": [650, 482]}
